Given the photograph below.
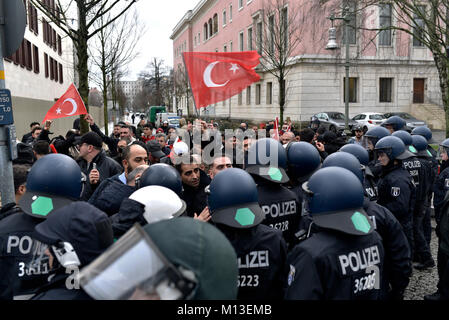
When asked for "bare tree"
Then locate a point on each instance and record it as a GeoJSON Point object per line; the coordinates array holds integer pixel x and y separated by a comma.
{"type": "Point", "coordinates": [182, 86]}
{"type": "Point", "coordinates": [113, 47]}
{"type": "Point", "coordinates": [89, 11]}
{"type": "Point", "coordinates": [277, 44]}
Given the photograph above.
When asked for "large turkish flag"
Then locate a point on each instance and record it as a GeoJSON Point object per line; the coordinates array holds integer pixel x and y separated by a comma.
{"type": "Point", "coordinates": [70, 104]}
{"type": "Point", "coordinates": [217, 76]}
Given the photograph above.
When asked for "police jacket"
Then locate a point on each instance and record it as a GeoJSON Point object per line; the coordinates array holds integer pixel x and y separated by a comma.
{"type": "Point", "coordinates": [15, 254]}
{"type": "Point", "coordinates": [370, 185]}
{"type": "Point", "coordinates": [196, 198]}
{"type": "Point", "coordinates": [281, 208]}
{"type": "Point", "coordinates": [9, 209]}
{"type": "Point", "coordinates": [415, 168]}
{"type": "Point", "coordinates": [130, 212]}
{"type": "Point", "coordinates": [441, 186]}
{"type": "Point", "coordinates": [261, 256]}
{"type": "Point", "coordinates": [428, 176]}
{"type": "Point", "coordinates": [397, 267]}
{"type": "Point", "coordinates": [434, 162]}
{"type": "Point", "coordinates": [109, 195]}
{"type": "Point", "coordinates": [110, 141]}
{"type": "Point", "coordinates": [397, 192]}
{"type": "Point", "coordinates": [61, 287]}
{"type": "Point", "coordinates": [332, 265]}
{"type": "Point", "coordinates": [105, 165]}
{"type": "Point", "coordinates": [443, 227]}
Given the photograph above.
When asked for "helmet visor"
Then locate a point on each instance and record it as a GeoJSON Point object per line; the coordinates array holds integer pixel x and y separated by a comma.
{"type": "Point", "coordinates": [442, 151]}
{"type": "Point", "coordinates": [369, 142]}
{"type": "Point", "coordinates": [133, 268]}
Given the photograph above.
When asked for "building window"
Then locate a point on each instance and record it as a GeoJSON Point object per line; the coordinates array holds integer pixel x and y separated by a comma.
{"type": "Point", "coordinates": [55, 68]}
{"type": "Point", "coordinates": [250, 39]}
{"type": "Point", "coordinates": [230, 46]}
{"type": "Point", "coordinates": [59, 45]}
{"type": "Point", "coordinates": [230, 13]}
{"type": "Point", "coordinates": [241, 41]}
{"type": "Point", "coordinates": [61, 78]}
{"type": "Point", "coordinates": [385, 89]}
{"type": "Point", "coordinates": [46, 65]}
{"type": "Point", "coordinates": [352, 22]}
{"type": "Point", "coordinates": [385, 23]}
{"type": "Point", "coordinates": [418, 29]}
{"type": "Point", "coordinates": [259, 37]}
{"type": "Point", "coordinates": [209, 27]}
{"type": "Point", "coordinates": [248, 95]}
{"type": "Point", "coordinates": [32, 18]}
{"type": "Point", "coordinates": [205, 31]}
{"type": "Point", "coordinates": [240, 4]}
{"type": "Point", "coordinates": [52, 72]}
{"type": "Point", "coordinates": [215, 23]}
{"type": "Point", "coordinates": [36, 59]}
{"type": "Point", "coordinates": [240, 99]}
{"type": "Point", "coordinates": [224, 17]}
{"type": "Point", "coordinates": [269, 92]}
{"type": "Point", "coordinates": [257, 93]}
{"type": "Point", "coordinates": [271, 30]}
{"type": "Point", "coordinates": [22, 58]}
{"type": "Point", "coordinates": [352, 89]}
{"type": "Point", "coordinates": [28, 55]}
{"type": "Point", "coordinates": [225, 48]}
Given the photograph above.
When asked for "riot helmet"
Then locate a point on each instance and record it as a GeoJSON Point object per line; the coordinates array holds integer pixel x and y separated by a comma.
{"type": "Point", "coordinates": [420, 144]}
{"type": "Point", "coordinates": [233, 199]}
{"type": "Point", "coordinates": [357, 151]}
{"type": "Point", "coordinates": [171, 259]}
{"type": "Point", "coordinates": [396, 123]}
{"type": "Point", "coordinates": [373, 135]}
{"type": "Point", "coordinates": [423, 131]}
{"type": "Point", "coordinates": [443, 150]}
{"type": "Point", "coordinates": [160, 203]}
{"type": "Point", "coordinates": [161, 174]}
{"type": "Point", "coordinates": [267, 159]}
{"type": "Point", "coordinates": [334, 199]}
{"type": "Point", "coordinates": [345, 160]}
{"type": "Point", "coordinates": [54, 181]}
{"type": "Point", "coordinates": [406, 138]}
{"type": "Point", "coordinates": [303, 160]}
{"type": "Point", "coordinates": [393, 147]}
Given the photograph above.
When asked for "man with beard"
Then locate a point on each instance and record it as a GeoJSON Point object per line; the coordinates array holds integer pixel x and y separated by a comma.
{"type": "Point", "coordinates": [111, 192]}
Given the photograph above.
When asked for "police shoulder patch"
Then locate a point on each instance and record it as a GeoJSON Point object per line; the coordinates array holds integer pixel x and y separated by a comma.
{"type": "Point", "coordinates": [291, 274]}
{"type": "Point", "coordinates": [395, 191]}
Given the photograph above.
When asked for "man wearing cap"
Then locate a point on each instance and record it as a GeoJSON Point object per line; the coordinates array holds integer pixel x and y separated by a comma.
{"type": "Point", "coordinates": [111, 192]}
{"type": "Point", "coordinates": [344, 258]}
{"type": "Point", "coordinates": [155, 152]}
{"type": "Point", "coordinates": [52, 183]}
{"type": "Point", "coordinates": [94, 163]}
{"type": "Point", "coordinates": [358, 138]}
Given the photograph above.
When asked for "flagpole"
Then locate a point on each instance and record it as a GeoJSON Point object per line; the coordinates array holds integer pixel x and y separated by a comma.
{"type": "Point", "coordinates": [190, 84]}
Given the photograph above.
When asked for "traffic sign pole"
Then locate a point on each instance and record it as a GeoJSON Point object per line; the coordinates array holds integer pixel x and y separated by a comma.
{"type": "Point", "coordinates": [6, 173]}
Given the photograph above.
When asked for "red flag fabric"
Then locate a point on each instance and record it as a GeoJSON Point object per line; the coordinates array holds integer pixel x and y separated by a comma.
{"type": "Point", "coordinates": [276, 129]}
{"type": "Point", "coordinates": [217, 76]}
{"type": "Point", "coordinates": [70, 104]}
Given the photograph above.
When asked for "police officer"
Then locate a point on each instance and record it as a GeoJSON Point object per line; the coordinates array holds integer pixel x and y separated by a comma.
{"type": "Point", "coordinates": [370, 139]}
{"type": "Point", "coordinates": [397, 268]}
{"type": "Point", "coordinates": [394, 123]}
{"type": "Point", "coordinates": [396, 189]}
{"type": "Point", "coordinates": [157, 263]}
{"type": "Point", "coordinates": [441, 185]}
{"type": "Point", "coordinates": [261, 250]}
{"type": "Point", "coordinates": [53, 182]}
{"type": "Point", "coordinates": [267, 164]}
{"type": "Point", "coordinates": [427, 134]}
{"type": "Point", "coordinates": [69, 239]}
{"type": "Point", "coordinates": [344, 258]}
{"type": "Point", "coordinates": [369, 183]}
{"type": "Point", "coordinates": [422, 249]}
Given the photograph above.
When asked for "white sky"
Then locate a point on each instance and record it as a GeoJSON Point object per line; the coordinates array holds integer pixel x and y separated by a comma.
{"type": "Point", "coordinates": [160, 17]}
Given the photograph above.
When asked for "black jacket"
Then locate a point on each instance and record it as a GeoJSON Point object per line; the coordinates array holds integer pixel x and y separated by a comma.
{"type": "Point", "coordinates": [261, 256]}
{"type": "Point", "coordinates": [111, 142]}
{"type": "Point", "coordinates": [57, 289]}
{"type": "Point", "coordinates": [9, 209]}
{"type": "Point", "coordinates": [196, 198]}
{"type": "Point", "coordinates": [130, 212]}
{"type": "Point", "coordinates": [440, 188]}
{"type": "Point", "coordinates": [105, 165]}
{"type": "Point", "coordinates": [332, 265]}
{"type": "Point", "coordinates": [25, 137]}
{"type": "Point", "coordinates": [398, 264]}
{"type": "Point", "coordinates": [281, 208]}
{"type": "Point", "coordinates": [109, 195]}
{"type": "Point", "coordinates": [15, 254]}
{"type": "Point", "coordinates": [397, 192]}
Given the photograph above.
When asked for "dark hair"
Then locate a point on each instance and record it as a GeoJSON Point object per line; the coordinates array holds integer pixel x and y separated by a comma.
{"type": "Point", "coordinates": [307, 135]}
{"type": "Point", "coordinates": [179, 165]}
{"type": "Point", "coordinates": [127, 151]}
{"type": "Point", "coordinates": [322, 129]}
{"type": "Point", "coordinates": [148, 125]}
{"type": "Point", "coordinates": [36, 128]}
{"type": "Point", "coordinates": [34, 123]}
{"type": "Point", "coordinates": [20, 172]}
{"type": "Point", "coordinates": [41, 147]}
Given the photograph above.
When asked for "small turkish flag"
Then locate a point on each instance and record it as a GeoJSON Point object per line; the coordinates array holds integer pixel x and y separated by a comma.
{"type": "Point", "coordinates": [276, 130]}
{"type": "Point", "coordinates": [217, 76]}
{"type": "Point", "coordinates": [70, 104]}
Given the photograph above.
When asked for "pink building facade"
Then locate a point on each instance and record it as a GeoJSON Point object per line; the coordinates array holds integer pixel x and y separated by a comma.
{"type": "Point", "coordinates": [389, 72]}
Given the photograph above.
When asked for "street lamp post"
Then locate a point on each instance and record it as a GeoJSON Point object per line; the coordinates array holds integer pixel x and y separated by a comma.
{"type": "Point", "coordinates": [332, 45]}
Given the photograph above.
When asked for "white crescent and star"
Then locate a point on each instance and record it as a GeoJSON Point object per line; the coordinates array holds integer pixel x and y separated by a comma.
{"type": "Point", "coordinates": [207, 75]}
{"type": "Point", "coordinates": [75, 106]}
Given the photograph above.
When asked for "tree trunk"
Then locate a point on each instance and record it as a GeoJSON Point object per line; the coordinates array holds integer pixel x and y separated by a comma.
{"type": "Point", "coordinates": [105, 103]}
{"type": "Point", "coordinates": [281, 81]}
{"type": "Point", "coordinates": [82, 67]}
{"type": "Point", "coordinates": [442, 65]}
